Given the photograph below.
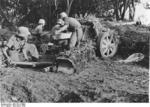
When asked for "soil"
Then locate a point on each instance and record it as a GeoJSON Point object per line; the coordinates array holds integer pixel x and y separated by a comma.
{"type": "Point", "coordinates": [100, 81]}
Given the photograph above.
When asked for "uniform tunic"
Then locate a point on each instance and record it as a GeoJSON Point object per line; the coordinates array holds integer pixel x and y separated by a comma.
{"type": "Point", "coordinates": [39, 29]}
{"type": "Point", "coordinates": [16, 44]}
{"type": "Point", "coordinates": [76, 29]}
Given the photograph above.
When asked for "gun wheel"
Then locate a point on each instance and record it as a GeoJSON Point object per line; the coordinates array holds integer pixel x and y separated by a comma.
{"type": "Point", "coordinates": [107, 45]}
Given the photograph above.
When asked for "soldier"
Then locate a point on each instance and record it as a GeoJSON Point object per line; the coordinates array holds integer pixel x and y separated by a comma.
{"type": "Point", "coordinates": [73, 26]}
{"type": "Point", "coordinates": [40, 27]}
{"type": "Point", "coordinates": [57, 27]}
{"type": "Point", "coordinates": [18, 43]}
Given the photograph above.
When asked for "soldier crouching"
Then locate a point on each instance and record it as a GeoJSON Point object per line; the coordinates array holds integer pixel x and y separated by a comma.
{"type": "Point", "coordinates": [18, 45]}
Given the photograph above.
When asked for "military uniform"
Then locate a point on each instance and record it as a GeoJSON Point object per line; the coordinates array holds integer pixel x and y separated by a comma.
{"type": "Point", "coordinates": [76, 29]}
{"type": "Point", "coordinates": [15, 44]}
{"type": "Point", "coordinates": [39, 29]}
{"type": "Point", "coordinates": [38, 32]}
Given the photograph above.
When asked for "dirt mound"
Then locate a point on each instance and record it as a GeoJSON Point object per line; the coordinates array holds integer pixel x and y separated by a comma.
{"type": "Point", "coordinates": [133, 39]}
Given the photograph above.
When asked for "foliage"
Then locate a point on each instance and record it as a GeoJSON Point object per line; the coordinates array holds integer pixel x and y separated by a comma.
{"type": "Point", "coordinates": [23, 12]}
{"type": "Point", "coordinates": [121, 6]}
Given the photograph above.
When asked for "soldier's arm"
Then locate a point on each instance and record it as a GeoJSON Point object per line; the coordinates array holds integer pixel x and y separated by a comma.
{"type": "Point", "coordinates": [6, 54]}
{"type": "Point", "coordinates": [25, 54]}
{"type": "Point", "coordinates": [63, 28]}
{"type": "Point", "coordinates": [7, 47]}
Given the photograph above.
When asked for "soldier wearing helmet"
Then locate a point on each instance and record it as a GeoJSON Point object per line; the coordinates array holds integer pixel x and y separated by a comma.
{"type": "Point", "coordinates": [74, 26]}
{"type": "Point", "coordinates": [18, 43]}
{"type": "Point", "coordinates": [42, 22]}
{"type": "Point", "coordinates": [40, 27]}
{"type": "Point", "coordinates": [38, 32]}
{"type": "Point", "coordinates": [58, 25]}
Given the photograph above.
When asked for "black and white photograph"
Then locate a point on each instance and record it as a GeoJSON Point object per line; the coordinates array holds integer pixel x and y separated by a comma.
{"type": "Point", "coordinates": [74, 51]}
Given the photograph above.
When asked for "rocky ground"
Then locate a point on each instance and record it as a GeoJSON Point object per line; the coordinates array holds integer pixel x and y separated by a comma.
{"type": "Point", "coordinates": [100, 81]}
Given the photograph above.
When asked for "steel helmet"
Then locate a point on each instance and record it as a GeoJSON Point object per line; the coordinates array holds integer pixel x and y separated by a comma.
{"type": "Point", "coordinates": [23, 32]}
{"type": "Point", "coordinates": [63, 14]}
{"type": "Point", "coordinates": [42, 21]}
